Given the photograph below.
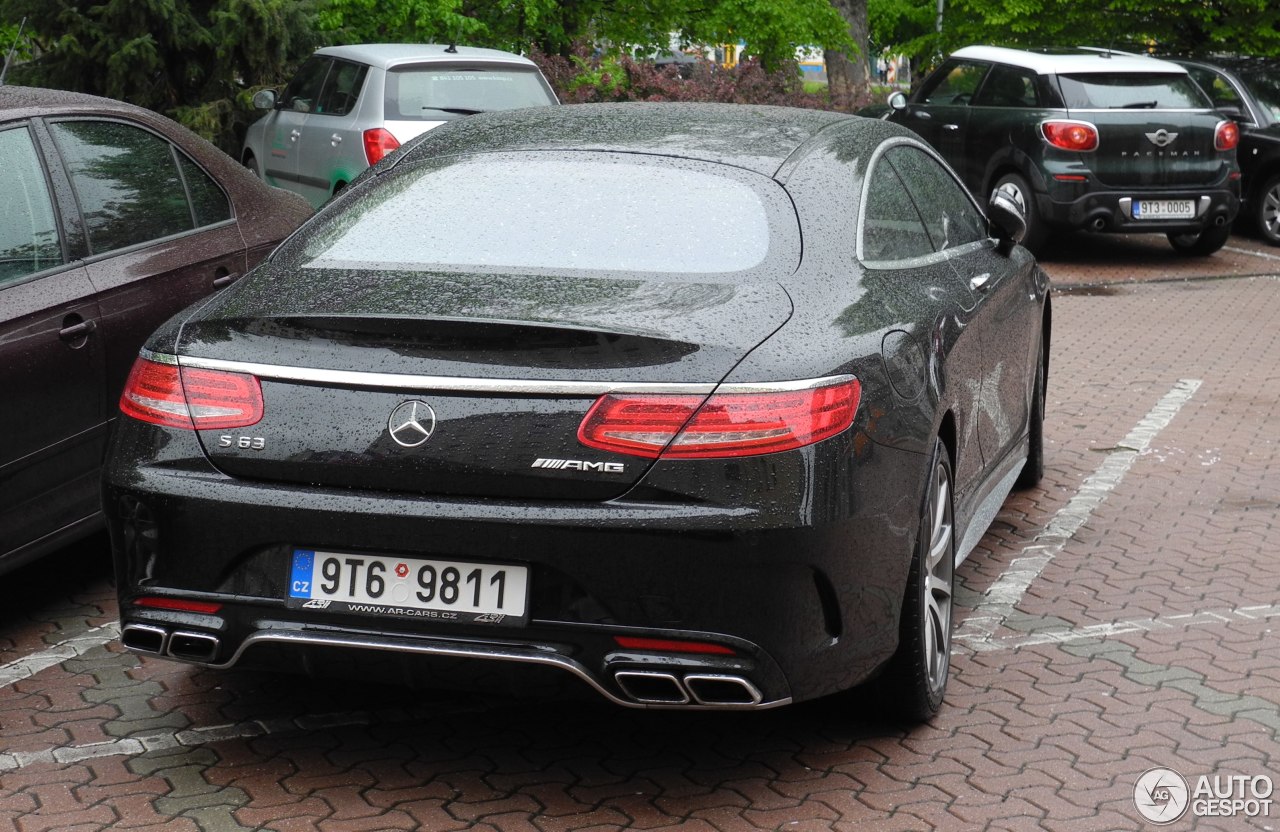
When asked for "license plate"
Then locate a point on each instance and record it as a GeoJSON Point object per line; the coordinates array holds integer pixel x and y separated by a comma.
{"type": "Point", "coordinates": [410, 588]}
{"type": "Point", "coordinates": [1163, 209]}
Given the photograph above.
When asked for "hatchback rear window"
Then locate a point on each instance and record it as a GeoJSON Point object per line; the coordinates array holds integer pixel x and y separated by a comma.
{"type": "Point", "coordinates": [539, 212]}
{"type": "Point", "coordinates": [1145, 91]}
{"type": "Point", "coordinates": [431, 92]}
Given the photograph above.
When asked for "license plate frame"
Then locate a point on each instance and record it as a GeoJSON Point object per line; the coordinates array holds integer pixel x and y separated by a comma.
{"type": "Point", "coordinates": [351, 584]}
{"type": "Point", "coordinates": [1149, 210]}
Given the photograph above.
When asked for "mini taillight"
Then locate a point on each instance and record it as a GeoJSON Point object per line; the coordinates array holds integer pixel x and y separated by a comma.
{"type": "Point", "coordinates": [378, 142]}
{"type": "Point", "coordinates": [191, 398]}
{"type": "Point", "coordinates": [1226, 136]}
{"type": "Point", "coordinates": [724, 425]}
{"type": "Point", "coordinates": [177, 604]}
{"type": "Point", "coordinates": [1070, 135]}
{"type": "Point", "coordinates": [666, 645]}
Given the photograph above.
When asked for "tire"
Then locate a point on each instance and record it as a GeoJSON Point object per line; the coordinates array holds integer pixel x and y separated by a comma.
{"type": "Point", "coordinates": [251, 163]}
{"type": "Point", "coordinates": [915, 680]}
{"type": "Point", "coordinates": [1266, 210]}
{"type": "Point", "coordinates": [1202, 244]}
{"type": "Point", "coordinates": [1033, 469]}
{"type": "Point", "coordinates": [1016, 186]}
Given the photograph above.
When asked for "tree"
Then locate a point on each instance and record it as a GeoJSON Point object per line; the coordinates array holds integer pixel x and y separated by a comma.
{"type": "Point", "coordinates": [848, 72]}
{"type": "Point", "coordinates": [771, 29]}
{"type": "Point", "coordinates": [192, 59]}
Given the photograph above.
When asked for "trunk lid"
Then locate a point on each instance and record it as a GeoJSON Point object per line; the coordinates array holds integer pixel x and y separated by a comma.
{"type": "Point", "coordinates": [1156, 149]}
{"type": "Point", "coordinates": [503, 369]}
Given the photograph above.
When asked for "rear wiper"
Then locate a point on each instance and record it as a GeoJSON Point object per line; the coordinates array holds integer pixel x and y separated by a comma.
{"type": "Point", "coordinates": [1140, 105]}
{"type": "Point", "coordinates": [462, 111]}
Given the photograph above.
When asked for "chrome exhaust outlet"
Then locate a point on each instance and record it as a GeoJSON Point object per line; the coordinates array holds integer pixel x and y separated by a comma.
{"type": "Point", "coordinates": [144, 638]}
{"type": "Point", "coordinates": [651, 688]}
{"type": "Point", "coordinates": [1220, 220]}
{"type": "Point", "coordinates": [1098, 223]}
{"type": "Point", "coordinates": [193, 647]}
{"type": "Point", "coordinates": [722, 691]}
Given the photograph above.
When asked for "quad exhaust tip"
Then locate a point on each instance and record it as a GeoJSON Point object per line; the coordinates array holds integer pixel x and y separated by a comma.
{"type": "Point", "coordinates": [710, 690]}
{"type": "Point", "coordinates": [183, 645]}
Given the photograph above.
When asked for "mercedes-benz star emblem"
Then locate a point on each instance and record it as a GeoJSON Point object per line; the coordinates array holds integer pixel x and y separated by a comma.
{"type": "Point", "coordinates": [1162, 137]}
{"type": "Point", "coordinates": [411, 423]}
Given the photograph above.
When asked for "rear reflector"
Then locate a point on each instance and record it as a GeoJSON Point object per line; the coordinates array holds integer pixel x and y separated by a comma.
{"type": "Point", "coordinates": [378, 142]}
{"type": "Point", "coordinates": [662, 645]}
{"type": "Point", "coordinates": [177, 604]}
{"type": "Point", "coordinates": [189, 398]}
{"type": "Point", "coordinates": [1070, 135]}
{"type": "Point", "coordinates": [1226, 136]}
{"type": "Point", "coordinates": [724, 425]}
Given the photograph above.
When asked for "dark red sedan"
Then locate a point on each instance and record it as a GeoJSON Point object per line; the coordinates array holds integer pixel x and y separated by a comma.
{"type": "Point", "coordinates": [112, 218]}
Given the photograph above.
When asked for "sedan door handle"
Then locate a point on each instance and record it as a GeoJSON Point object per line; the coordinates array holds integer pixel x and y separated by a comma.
{"type": "Point", "coordinates": [293, 135]}
{"type": "Point", "coordinates": [225, 280]}
{"type": "Point", "coordinates": [77, 331]}
{"type": "Point", "coordinates": [920, 114]}
{"type": "Point", "coordinates": [979, 283]}
{"type": "Point", "coordinates": [335, 140]}
{"type": "Point", "coordinates": [950, 127]}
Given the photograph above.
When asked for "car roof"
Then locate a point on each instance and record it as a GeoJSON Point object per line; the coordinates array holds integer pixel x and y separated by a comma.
{"type": "Point", "coordinates": [387, 55]}
{"type": "Point", "coordinates": [1069, 62]}
{"type": "Point", "coordinates": [25, 102]}
{"type": "Point", "coordinates": [758, 138]}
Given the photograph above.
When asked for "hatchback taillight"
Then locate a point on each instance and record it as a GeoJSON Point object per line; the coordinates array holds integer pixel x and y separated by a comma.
{"type": "Point", "coordinates": [378, 142]}
{"type": "Point", "coordinates": [1070, 135]}
{"type": "Point", "coordinates": [1226, 136]}
{"type": "Point", "coordinates": [724, 425]}
{"type": "Point", "coordinates": [191, 398]}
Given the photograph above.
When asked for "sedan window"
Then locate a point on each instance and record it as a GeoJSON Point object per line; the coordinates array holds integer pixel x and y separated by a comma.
{"type": "Point", "coordinates": [129, 187]}
{"type": "Point", "coordinates": [28, 231]}
{"type": "Point", "coordinates": [1008, 86]}
{"type": "Point", "coordinates": [341, 89]}
{"type": "Point", "coordinates": [892, 229]}
{"type": "Point", "coordinates": [950, 216]}
{"type": "Point", "coordinates": [304, 90]}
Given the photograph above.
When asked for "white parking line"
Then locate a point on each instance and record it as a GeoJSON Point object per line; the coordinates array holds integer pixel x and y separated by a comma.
{"type": "Point", "coordinates": [1006, 593]}
{"type": "Point", "coordinates": [1264, 255]}
{"type": "Point", "coordinates": [28, 666]}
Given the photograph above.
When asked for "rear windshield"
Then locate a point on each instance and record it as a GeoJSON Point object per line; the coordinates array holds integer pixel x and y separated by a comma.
{"type": "Point", "coordinates": [539, 212]}
{"type": "Point", "coordinates": [1146, 91]}
{"type": "Point", "coordinates": [425, 92]}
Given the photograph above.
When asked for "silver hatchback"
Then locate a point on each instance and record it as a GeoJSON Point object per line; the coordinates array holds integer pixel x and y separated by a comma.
{"type": "Point", "coordinates": [348, 106]}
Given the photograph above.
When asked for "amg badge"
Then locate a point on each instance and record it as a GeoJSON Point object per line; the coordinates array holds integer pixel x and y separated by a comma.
{"type": "Point", "coordinates": [579, 465]}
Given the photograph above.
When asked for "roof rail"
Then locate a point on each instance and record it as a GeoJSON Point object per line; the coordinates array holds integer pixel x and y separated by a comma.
{"type": "Point", "coordinates": [1107, 51]}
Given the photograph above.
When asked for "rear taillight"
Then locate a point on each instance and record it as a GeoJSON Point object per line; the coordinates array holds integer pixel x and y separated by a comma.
{"type": "Point", "coordinates": [1070, 135]}
{"type": "Point", "coordinates": [1226, 136]}
{"type": "Point", "coordinates": [191, 398]}
{"type": "Point", "coordinates": [378, 142]}
{"type": "Point", "coordinates": [724, 425]}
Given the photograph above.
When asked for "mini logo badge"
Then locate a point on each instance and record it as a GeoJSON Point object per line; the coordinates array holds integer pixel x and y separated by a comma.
{"type": "Point", "coordinates": [411, 423]}
{"type": "Point", "coordinates": [1161, 795]}
{"type": "Point", "coordinates": [1162, 137]}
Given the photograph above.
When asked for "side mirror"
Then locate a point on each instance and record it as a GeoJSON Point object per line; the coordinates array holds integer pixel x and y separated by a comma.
{"type": "Point", "coordinates": [1008, 220]}
{"type": "Point", "coordinates": [898, 100]}
{"type": "Point", "coordinates": [264, 100]}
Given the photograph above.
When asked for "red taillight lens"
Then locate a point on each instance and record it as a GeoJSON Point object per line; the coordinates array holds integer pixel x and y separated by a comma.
{"type": "Point", "coordinates": [725, 425]}
{"type": "Point", "coordinates": [177, 604]}
{"type": "Point", "coordinates": [191, 398]}
{"type": "Point", "coordinates": [665, 645]}
{"type": "Point", "coordinates": [1071, 135]}
{"type": "Point", "coordinates": [1226, 136]}
{"type": "Point", "coordinates": [378, 142]}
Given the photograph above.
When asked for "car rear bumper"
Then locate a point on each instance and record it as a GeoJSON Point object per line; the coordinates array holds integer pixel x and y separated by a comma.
{"type": "Point", "coordinates": [805, 597]}
{"type": "Point", "coordinates": [1112, 210]}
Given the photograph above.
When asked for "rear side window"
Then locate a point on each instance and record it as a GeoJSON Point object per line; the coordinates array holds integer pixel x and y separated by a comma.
{"type": "Point", "coordinates": [892, 229]}
{"type": "Point", "coordinates": [1008, 86]}
{"type": "Point", "coordinates": [430, 92]}
{"type": "Point", "coordinates": [529, 211]}
{"type": "Point", "coordinates": [1135, 91]}
{"type": "Point", "coordinates": [949, 214]}
{"type": "Point", "coordinates": [28, 232]}
{"type": "Point", "coordinates": [341, 89]}
{"type": "Point", "coordinates": [130, 186]}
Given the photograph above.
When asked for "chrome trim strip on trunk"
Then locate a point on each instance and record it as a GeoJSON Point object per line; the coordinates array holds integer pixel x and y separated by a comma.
{"type": "Point", "coordinates": [487, 652]}
{"type": "Point", "coordinates": [508, 386]}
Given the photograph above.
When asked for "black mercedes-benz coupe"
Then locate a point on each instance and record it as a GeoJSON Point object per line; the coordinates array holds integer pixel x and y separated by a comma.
{"type": "Point", "coordinates": [696, 405]}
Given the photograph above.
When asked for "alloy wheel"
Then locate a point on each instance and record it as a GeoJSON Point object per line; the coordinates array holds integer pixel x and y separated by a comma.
{"type": "Point", "coordinates": [939, 574]}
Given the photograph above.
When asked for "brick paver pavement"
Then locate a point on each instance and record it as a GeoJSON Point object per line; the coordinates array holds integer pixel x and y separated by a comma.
{"type": "Point", "coordinates": [1145, 640]}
